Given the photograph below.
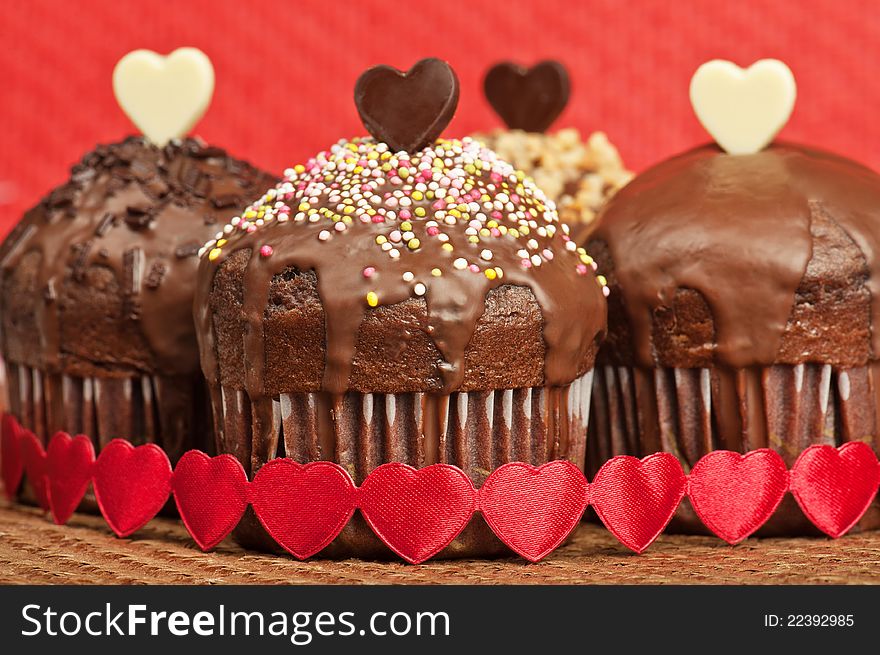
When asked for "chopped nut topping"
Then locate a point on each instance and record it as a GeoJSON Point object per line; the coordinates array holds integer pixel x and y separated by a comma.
{"type": "Point", "coordinates": [579, 175]}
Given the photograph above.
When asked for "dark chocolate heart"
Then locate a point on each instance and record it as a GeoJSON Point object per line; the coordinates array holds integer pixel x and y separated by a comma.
{"type": "Point", "coordinates": [407, 110]}
{"type": "Point", "coordinates": [527, 99]}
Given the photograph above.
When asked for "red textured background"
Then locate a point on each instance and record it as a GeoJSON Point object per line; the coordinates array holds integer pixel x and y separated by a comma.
{"type": "Point", "coordinates": [285, 70]}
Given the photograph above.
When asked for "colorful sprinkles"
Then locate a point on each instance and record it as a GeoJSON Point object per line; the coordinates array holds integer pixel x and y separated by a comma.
{"type": "Point", "coordinates": [416, 196]}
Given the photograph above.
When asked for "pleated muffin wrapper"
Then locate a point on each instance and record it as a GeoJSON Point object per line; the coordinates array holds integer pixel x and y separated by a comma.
{"type": "Point", "coordinates": [691, 412]}
{"type": "Point", "coordinates": [476, 431]}
{"type": "Point", "coordinates": [169, 411]}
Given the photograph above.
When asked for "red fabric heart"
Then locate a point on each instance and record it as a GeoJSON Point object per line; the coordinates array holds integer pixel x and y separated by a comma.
{"type": "Point", "coordinates": [131, 484]}
{"type": "Point", "coordinates": [211, 494]}
{"type": "Point", "coordinates": [417, 513]}
{"type": "Point", "coordinates": [11, 464]}
{"type": "Point", "coordinates": [302, 507]}
{"type": "Point", "coordinates": [636, 498]}
{"type": "Point", "coordinates": [34, 458]}
{"type": "Point", "coordinates": [835, 486]}
{"type": "Point", "coordinates": [735, 494]}
{"type": "Point", "coordinates": [69, 470]}
{"type": "Point", "coordinates": [533, 509]}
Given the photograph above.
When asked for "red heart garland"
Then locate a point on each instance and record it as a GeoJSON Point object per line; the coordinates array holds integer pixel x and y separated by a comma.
{"type": "Point", "coordinates": [835, 486]}
{"type": "Point", "coordinates": [211, 494]}
{"type": "Point", "coordinates": [11, 465]}
{"type": "Point", "coordinates": [533, 509]}
{"type": "Point", "coordinates": [417, 513]}
{"type": "Point", "coordinates": [636, 498]}
{"type": "Point", "coordinates": [303, 507]}
{"type": "Point", "coordinates": [735, 494]}
{"type": "Point", "coordinates": [34, 458]}
{"type": "Point", "coordinates": [131, 484]}
{"type": "Point", "coordinates": [69, 470]}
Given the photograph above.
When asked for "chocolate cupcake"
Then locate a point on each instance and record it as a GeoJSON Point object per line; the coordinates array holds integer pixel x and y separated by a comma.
{"type": "Point", "coordinates": [417, 307]}
{"type": "Point", "coordinates": [578, 174]}
{"type": "Point", "coordinates": [96, 288]}
{"type": "Point", "coordinates": [743, 311]}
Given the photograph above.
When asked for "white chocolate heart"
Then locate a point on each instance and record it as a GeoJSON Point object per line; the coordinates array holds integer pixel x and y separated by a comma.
{"type": "Point", "coordinates": [743, 109]}
{"type": "Point", "coordinates": [164, 96]}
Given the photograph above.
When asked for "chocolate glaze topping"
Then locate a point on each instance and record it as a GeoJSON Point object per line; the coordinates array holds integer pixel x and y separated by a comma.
{"type": "Point", "coordinates": [527, 99]}
{"type": "Point", "coordinates": [448, 223]}
{"type": "Point", "coordinates": [142, 212]}
{"type": "Point", "coordinates": [737, 230]}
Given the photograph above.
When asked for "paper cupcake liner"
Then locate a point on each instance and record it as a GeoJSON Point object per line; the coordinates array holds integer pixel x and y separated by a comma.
{"type": "Point", "coordinates": [168, 411]}
{"type": "Point", "coordinates": [476, 431]}
{"type": "Point", "coordinates": [690, 412]}
{"type": "Point", "coordinates": [171, 412]}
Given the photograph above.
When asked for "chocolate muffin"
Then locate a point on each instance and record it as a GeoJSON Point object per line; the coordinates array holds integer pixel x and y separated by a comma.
{"type": "Point", "coordinates": [743, 311]}
{"type": "Point", "coordinates": [419, 308]}
{"type": "Point", "coordinates": [97, 286]}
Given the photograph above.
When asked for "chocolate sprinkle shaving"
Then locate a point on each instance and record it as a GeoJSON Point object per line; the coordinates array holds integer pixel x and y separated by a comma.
{"type": "Point", "coordinates": [137, 218]}
{"type": "Point", "coordinates": [49, 293]}
{"type": "Point", "coordinates": [115, 185]}
{"type": "Point", "coordinates": [187, 250]}
{"type": "Point", "coordinates": [80, 259]}
{"type": "Point", "coordinates": [155, 187]}
{"type": "Point", "coordinates": [156, 274]}
{"type": "Point", "coordinates": [61, 197]}
{"type": "Point", "coordinates": [189, 177]}
{"type": "Point", "coordinates": [407, 110]}
{"type": "Point", "coordinates": [208, 152]}
{"type": "Point", "coordinates": [81, 175]}
{"type": "Point", "coordinates": [132, 265]}
{"type": "Point", "coordinates": [170, 149]}
{"type": "Point", "coordinates": [226, 200]}
{"type": "Point", "coordinates": [107, 221]}
{"type": "Point", "coordinates": [132, 262]}
{"type": "Point", "coordinates": [527, 99]}
{"type": "Point", "coordinates": [142, 170]}
{"type": "Point", "coordinates": [14, 240]}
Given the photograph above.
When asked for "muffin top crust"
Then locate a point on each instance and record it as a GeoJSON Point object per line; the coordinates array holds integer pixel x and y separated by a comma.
{"type": "Point", "coordinates": [413, 248]}
{"type": "Point", "coordinates": [743, 260]}
{"type": "Point", "coordinates": [99, 276]}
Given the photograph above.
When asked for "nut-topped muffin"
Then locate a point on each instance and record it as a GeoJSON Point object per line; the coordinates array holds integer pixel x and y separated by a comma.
{"type": "Point", "coordinates": [578, 174]}
{"type": "Point", "coordinates": [97, 286]}
{"type": "Point", "coordinates": [381, 306]}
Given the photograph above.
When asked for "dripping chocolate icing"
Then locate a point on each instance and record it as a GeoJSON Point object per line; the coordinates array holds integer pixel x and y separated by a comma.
{"type": "Point", "coordinates": [140, 212]}
{"type": "Point", "coordinates": [741, 231]}
{"type": "Point", "coordinates": [571, 304]}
